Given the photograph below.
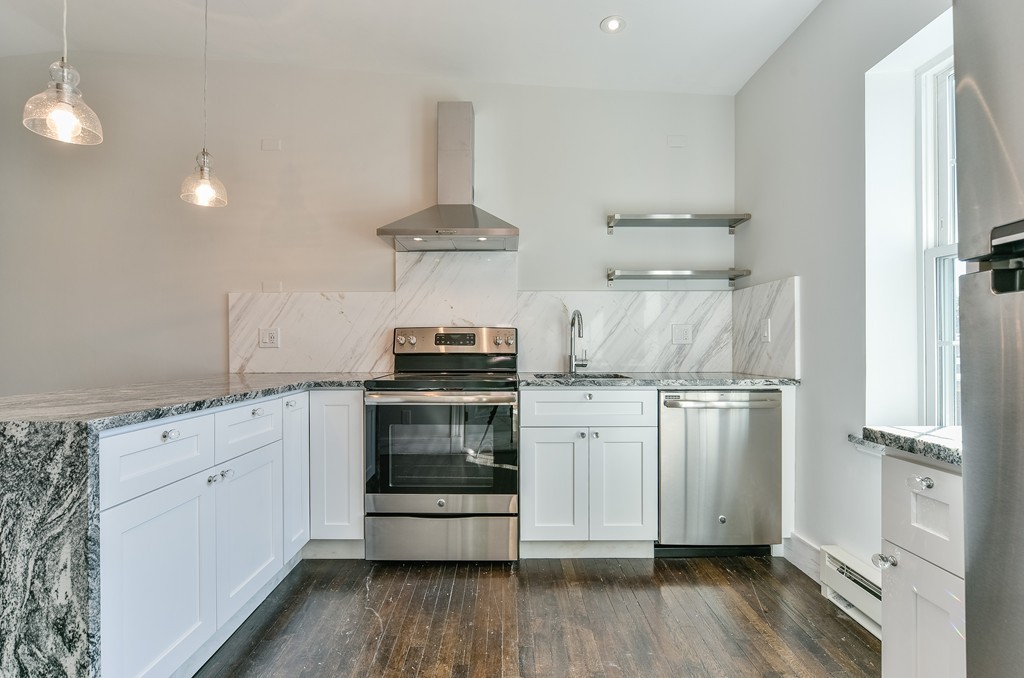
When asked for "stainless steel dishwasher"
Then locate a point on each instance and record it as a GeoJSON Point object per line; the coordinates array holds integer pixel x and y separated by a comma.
{"type": "Point", "coordinates": [721, 468]}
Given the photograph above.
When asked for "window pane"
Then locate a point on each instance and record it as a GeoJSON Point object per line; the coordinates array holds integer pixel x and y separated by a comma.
{"type": "Point", "coordinates": [947, 339]}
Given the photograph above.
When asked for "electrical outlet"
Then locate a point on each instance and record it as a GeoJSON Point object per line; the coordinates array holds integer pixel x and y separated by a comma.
{"type": "Point", "coordinates": [766, 330]}
{"type": "Point", "coordinates": [682, 334]}
{"type": "Point", "coordinates": [270, 337]}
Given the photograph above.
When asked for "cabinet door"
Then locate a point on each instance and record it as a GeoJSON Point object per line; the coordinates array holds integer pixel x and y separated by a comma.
{"type": "Point", "coordinates": [248, 527]}
{"type": "Point", "coordinates": [337, 480]}
{"type": "Point", "coordinates": [922, 619]}
{"type": "Point", "coordinates": [158, 578]}
{"type": "Point", "coordinates": [624, 483]}
{"type": "Point", "coordinates": [295, 471]}
{"type": "Point", "coordinates": [553, 493]}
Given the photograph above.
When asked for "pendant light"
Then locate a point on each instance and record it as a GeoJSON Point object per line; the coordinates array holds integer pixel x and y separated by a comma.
{"type": "Point", "coordinates": [201, 187]}
{"type": "Point", "coordinates": [58, 112]}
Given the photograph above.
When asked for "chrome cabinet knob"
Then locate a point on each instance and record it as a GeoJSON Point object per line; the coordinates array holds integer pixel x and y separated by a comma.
{"type": "Point", "coordinates": [920, 483]}
{"type": "Point", "coordinates": [583, 434]}
{"type": "Point", "coordinates": [883, 562]}
{"type": "Point", "coordinates": [596, 434]}
{"type": "Point", "coordinates": [170, 434]}
{"type": "Point", "coordinates": [722, 519]}
{"type": "Point", "coordinates": [210, 480]}
{"type": "Point", "coordinates": [441, 503]}
{"type": "Point", "coordinates": [289, 403]}
{"type": "Point", "coordinates": [227, 473]}
{"type": "Point", "coordinates": [257, 411]}
{"type": "Point", "coordinates": [590, 396]}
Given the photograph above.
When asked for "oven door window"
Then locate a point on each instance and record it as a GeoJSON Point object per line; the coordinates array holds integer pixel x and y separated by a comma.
{"type": "Point", "coordinates": [441, 448]}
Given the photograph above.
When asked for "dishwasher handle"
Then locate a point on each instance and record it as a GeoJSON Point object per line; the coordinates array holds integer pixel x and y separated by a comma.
{"type": "Point", "coordinates": [720, 404]}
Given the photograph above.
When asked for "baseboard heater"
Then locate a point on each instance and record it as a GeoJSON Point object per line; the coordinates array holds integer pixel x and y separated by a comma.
{"type": "Point", "coordinates": [854, 586]}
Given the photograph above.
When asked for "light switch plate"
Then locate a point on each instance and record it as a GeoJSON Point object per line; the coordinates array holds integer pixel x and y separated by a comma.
{"type": "Point", "coordinates": [682, 334]}
{"type": "Point", "coordinates": [766, 330]}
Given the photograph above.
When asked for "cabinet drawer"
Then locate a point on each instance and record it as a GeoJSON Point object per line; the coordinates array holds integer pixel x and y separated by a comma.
{"type": "Point", "coordinates": [140, 461]}
{"type": "Point", "coordinates": [923, 512]}
{"type": "Point", "coordinates": [593, 407]}
{"type": "Point", "coordinates": [247, 428]}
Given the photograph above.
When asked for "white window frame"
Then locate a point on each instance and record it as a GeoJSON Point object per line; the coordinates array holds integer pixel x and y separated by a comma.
{"type": "Point", "coordinates": [937, 229]}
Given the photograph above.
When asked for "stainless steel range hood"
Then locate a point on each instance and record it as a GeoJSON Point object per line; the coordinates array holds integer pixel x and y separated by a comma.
{"type": "Point", "coordinates": [455, 223]}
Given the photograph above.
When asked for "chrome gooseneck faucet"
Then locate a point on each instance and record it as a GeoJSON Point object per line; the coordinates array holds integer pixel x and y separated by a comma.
{"type": "Point", "coordinates": [576, 329]}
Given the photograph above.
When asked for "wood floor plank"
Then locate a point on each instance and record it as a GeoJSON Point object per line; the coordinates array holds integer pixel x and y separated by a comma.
{"type": "Point", "coordinates": [548, 618]}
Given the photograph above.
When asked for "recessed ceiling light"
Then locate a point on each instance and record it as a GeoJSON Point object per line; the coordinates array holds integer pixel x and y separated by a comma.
{"type": "Point", "coordinates": [613, 24]}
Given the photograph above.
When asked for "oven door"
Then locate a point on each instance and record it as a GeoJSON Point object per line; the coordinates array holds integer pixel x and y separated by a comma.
{"type": "Point", "coordinates": [442, 452]}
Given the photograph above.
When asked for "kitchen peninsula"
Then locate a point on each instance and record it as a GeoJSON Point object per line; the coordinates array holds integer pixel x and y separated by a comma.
{"type": "Point", "coordinates": [49, 457]}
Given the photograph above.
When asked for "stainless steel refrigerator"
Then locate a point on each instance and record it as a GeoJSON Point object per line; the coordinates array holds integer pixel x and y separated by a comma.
{"type": "Point", "coordinates": [989, 66]}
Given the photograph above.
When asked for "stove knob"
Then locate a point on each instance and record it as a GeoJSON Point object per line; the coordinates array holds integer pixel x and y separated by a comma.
{"type": "Point", "coordinates": [510, 340]}
{"type": "Point", "coordinates": [412, 341]}
{"type": "Point", "coordinates": [498, 341]}
{"type": "Point", "coordinates": [401, 340]}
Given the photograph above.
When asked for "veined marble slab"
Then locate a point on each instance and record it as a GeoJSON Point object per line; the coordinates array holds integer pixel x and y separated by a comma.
{"type": "Point", "coordinates": [320, 331]}
{"type": "Point", "coordinates": [626, 331]}
{"type": "Point", "coordinates": [656, 379]}
{"type": "Point", "coordinates": [777, 302]}
{"type": "Point", "coordinates": [468, 289]}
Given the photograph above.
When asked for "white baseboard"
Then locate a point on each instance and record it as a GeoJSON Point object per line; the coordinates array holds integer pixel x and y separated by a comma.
{"type": "Point", "coordinates": [803, 554]}
{"type": "Point", "coordinates": [586, 549]}
{"type": "Point", "coordinates": [344, 549]}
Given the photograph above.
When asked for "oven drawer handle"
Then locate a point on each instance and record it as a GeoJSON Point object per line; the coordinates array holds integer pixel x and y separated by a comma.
{"type": "Point", "coordinates": [397, 398]}
{"type": "Point", "coordinates": [721, 404]}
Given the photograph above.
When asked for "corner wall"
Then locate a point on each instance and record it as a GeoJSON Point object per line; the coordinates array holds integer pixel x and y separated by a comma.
{"type": "Point", "coordinates": [800, 171]}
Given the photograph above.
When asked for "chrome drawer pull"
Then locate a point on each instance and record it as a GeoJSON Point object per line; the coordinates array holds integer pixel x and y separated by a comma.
{"type": "Point", "coordinates": [257, 411]}
{"type": "Point", "coordinates": [883, 562]}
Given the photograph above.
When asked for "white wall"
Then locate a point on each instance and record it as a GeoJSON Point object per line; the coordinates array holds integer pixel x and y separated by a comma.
{"type": "Point", "coordinates": [800, 171]}
{"type": "Point", "coordinates": [106, 277]}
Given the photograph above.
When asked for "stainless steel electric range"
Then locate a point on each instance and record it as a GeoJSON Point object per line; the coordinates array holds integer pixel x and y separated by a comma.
{"type": "Point", "coordinates": [442, 448]}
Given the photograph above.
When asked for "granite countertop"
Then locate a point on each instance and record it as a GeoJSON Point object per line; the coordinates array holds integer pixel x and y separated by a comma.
{"type": "Point", "coordinates": [656, 379]}
{"type": "Point", "coordinates": [105, 408]}
{"type": "Point", "coordinates": [933, 442]}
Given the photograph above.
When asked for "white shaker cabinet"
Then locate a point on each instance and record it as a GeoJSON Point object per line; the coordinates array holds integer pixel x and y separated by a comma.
{"type": "Point", "coordinates": [337, 488]}
{"type": "Point", "coordinates": [249, 548]}
{"type": "Point", "coordinates": [922, 561]}
{"type": "Point", "coordinates": [295, 472]}
{"type": "Point", "coordinates": [589, 465]}
{"type": "Point", "coordinates": [158, 578]}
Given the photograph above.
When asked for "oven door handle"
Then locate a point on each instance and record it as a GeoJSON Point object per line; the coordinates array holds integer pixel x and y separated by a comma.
{"type": "Point", "coordinates": [440, 398]}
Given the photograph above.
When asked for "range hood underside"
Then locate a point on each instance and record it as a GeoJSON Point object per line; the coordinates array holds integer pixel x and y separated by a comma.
{"type": "Point", "coordinates": [451, 228]}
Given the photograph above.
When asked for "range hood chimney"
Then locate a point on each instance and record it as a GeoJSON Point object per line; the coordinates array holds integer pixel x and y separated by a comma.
{"type": "Point", "coordinates": [455, 223]}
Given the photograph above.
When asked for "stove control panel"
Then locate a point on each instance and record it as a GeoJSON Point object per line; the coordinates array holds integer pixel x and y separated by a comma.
{"type": "Point", "coordinates": [482, 340]}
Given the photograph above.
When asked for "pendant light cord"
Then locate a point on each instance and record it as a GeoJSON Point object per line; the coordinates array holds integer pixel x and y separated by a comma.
{"type": "Point", "coordinates": [206, 49]}
{"type": "Point", "coordinates": [65, 57]}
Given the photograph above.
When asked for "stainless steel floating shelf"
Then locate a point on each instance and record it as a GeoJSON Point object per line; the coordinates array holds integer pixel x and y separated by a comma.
{"type": "Point", "coordinates": [730, 221]}
{"type": "Point", "coordinates": [730, 274]}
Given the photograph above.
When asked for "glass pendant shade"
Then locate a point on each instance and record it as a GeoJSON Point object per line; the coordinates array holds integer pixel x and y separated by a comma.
{"type": "Point", "coordinates": [59, 112]}
{"type": "Point", "coordinates": [201, 187]}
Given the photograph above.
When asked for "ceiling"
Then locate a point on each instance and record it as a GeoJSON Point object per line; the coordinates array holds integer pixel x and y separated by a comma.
{"type": "Point", "coordinates": [695, 46]}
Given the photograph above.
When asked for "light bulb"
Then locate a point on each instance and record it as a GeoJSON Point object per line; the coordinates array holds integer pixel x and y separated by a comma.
{"type": "Point", "coordinates": [63, 122]}
{"type": "Point", "coordinates": [205, 193]}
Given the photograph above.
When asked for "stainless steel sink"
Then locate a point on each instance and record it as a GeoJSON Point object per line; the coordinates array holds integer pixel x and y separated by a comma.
{"type": "Point", "coordinates": [581, 375]}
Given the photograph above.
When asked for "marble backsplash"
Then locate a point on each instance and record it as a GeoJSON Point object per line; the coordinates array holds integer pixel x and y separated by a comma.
{"type": "Point", "coordinates": [778, 303]}
{"type": "Point", "coordinates": [628, 331]}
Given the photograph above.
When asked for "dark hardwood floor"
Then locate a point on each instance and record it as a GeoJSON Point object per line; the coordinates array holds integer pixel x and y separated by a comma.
{"type": "Point", "coordinates": [679, 617]}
